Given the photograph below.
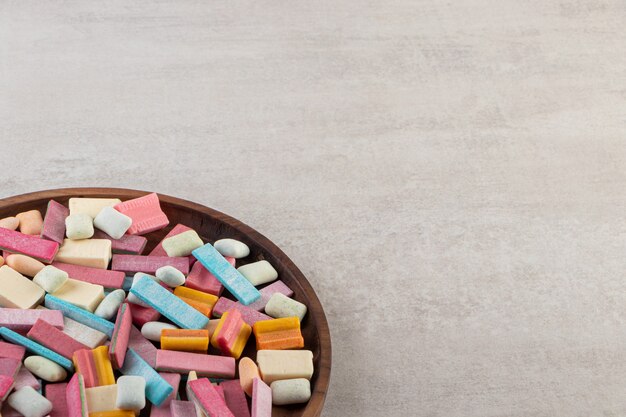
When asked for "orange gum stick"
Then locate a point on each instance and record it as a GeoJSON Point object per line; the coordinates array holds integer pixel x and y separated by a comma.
{"type": "Point", "coordinates": [185, 340]}
{"type": "Point", "coordinates": [278, 334]}
{"type": "Point", "coordinates": [201, 297]}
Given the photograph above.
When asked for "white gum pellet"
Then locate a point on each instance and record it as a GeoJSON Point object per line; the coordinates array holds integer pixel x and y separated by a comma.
{"type": "Point", "coordinates": [170, 276]}
{"type": "Point", "coordinates": [231, 247]}
{"type": "Point", "coordinates": [152, 330]}
{"type": "Point", "coordinates": [258, 273]}
{"type": "Point", "coordinates": [291, 391]}
{"type": "Point", "coordinates": [182, 244]}
{"type": "Point", "coordinates": [131, 393]}
{"type": "Point", "coordinates": [50, 278]}
{"type": "Point", "coordinates": [280, 306]}
{"type": "Point", "coordinates": [112, 222]}
{"type": "Point", "coordinates": [79, 226]}
{"type": "Point", "coordinates": [29, 403]}
{"type": "Point", "coordinates": [111, 303]}
{"type": "Point", "coordinates": [45, 369]}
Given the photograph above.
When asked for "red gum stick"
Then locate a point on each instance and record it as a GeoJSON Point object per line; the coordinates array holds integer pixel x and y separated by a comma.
{"type": "Point", "coordinates": [6, 384]}
{"type": "Point", "coordinates": [209, 400]}
{"type": "Point", "coordinates": [54, 222]}
{"type": "Point", "coordinates": [121, 336]}
{"type": "Point", "coordinates": [9, 367]}
{"type": "Point", "coordinates": [106, 278]}
{"type": "Point", "coordinates": [142, 346]}
{"type": "Point", "coordinates": [178, 229]}
{"type": "Point", "coordinates": [126, 244]}
{"type": "Point", "coordinates": [25, 379]}
{"type": "Point", "coordinates": [202, 279]}
{"type": "Point", "coordinates": [145, 212]}
{"type": "Point", "coordinates": [55, 393]}
{"type": "Point", "coordinates": [54, 339]}
{"type": "Point", "coordinates": [267, 292]}
{"type": "Point", "coordinates": [248, 315]}
{"type": "Point", "coordinates": [85, 366]}
{"type": "Point", "coordinates": [33, 246]}
{"type": "Point", "coordinates": [235, 398]}
{"type": "Point", "coordinates": [148, 264]}
{"type": "Point", "coordinates": [75, 397]}
{"type": "Point", "coordinates": [9, 350]}
{"type": "Point", "coordinates": [141, 315]}
{"type": "Point", "coordinates": [204, 365]}
{"type": "Point", "coordinates": [22, 320]}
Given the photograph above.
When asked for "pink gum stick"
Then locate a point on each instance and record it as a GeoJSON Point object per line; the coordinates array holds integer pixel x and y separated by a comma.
{"type": "Point", "coordinates": [106, 278]}
{"type": "Point", "coordinates": [9, 350]}
{"type": "Point", "coordinates": [248, 315]}
{"type": "Point", "coordinates": [148, 264]}
{"type": "Point", "coordinates": [121, 336]}
{"type": "Point", "coordinates": [22, 320]}
{"type": "Point", "coordinates": [131, 244]}
{"type": "Point", "coordinates": [55, 393]}
{"type": "Point", "coordinates": [235, 398]}
{"type": "Point", "coordinates": [204, 365]}
{"type": "Point", "coordinates": [16, 242]}
{"type": "Point", "coordinates": [261, 399]}
{"type": "Point", "coordinates": [202, 279]}
{"type": "Point", "coordinates": [206, 396]}
{"type": "Point", "coordinates": [54, 223]}
{"type": "Point", "coordinates": [54, 339]}
{"type": "Point", "coordinates": [145, 212]}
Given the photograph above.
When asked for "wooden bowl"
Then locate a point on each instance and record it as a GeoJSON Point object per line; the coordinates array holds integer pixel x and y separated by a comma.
{"type": "Point", "coordinates": [213, 225]}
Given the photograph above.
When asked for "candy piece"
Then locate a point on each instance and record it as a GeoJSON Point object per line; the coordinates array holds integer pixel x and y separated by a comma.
{"type": "Point", "coordinates": [276, 365]}
{"type": "Point", "coordinates": [267, 292]}
{"type": "Point", "coordinates": [31, 222]}
{"type": "Point", "coordinates": [208, 299]}
{"type": "Point", "coordinates": [106, 278]}
{"type": "Point", "coordinates": [113, 413]}
{"type": "Point", "coordinates": [35, 347]}
{"type": "Point", "coordinates": [25, 378]}
{"type": "Point", "coordinates": [182, 244]}
{"type": "Point", "coordinates": [170, 276]}
{"type": "Point", "coordinates": [6, 385]}
{"type": "Point", "coordinates": [45, 369]}
{"type": "Point", "coordinates": [11, 223]}
{"type": "Point", "coordinates": [168, 304]}
{"type": "Point", "coordinates": [91, 206]}
{"type": "Point", "coordinates": [248, 315]}
{"type": "Point", "coordinates": [81, 294]}
{"type": "Point", "coordinates": [157, 388]}
{"type": "Point", "coordinates": [121, 336]}
{"type": "Point", "coordinates": [83, 334]}
{"type": "Point", "coordinates": [145, 213]}
{"type": "Point", "coordinates": [23, 264]}
{"type": "Point", "coordinates": [54, 339]}
{"type": "Point", "coordinates": [78, 226]}
{"type": "Point", "coordinates": [280, 306]}
{"type": "Point", "coordinates": [146, 350]}
{"type": "Point", "coordinates": [164, 409]}
{"type": "Point", "coordinates": [258, 273]}
{"type": "Point", "coordinates": [80, 315]}
{"type": "Point", "coordinates": [112, 222]}
{"type": "Point", "coordinates": [261, 399]}
{"type": "Point", "coordinates": [75, 397]}
{"type": "Point", "coordinates": [202, 279]}
{"type": "Point", "coordinates": [247, 372]}
{"type": "Point", "coordinates": [111, 303]}
{"type": "Point", "coordinates": [94, 253]}
{"type": "Point", "coordinates": [131, 393]}
{"type": "Point", "coordinates": [182, 408]}
{"type": "Point", "coordinates": [131, 244]}
{"type": "Point", "coordinates": [204, 395]}
{"type": "Point", "coordinates": [50, 278]}
{"type": "Point", "coordinates": [185, 340]}
{"type": "Point", "coordinates": [204, 365]}
{"type": "Point", "coordinates": [22, 320]}
{"type": "Point", "coordinates": [55, 393]}
{"type": "Point", "coordinates": [147, 264]}
{"type": "Point", "coordinates": [102, 398]}
{"type": "Point", "coordinates": [235, 398]}
{"type": "Point", "coordinates": [10, 367]}
{"type": "Point", "coordinates": [9, 350]}
{"type": "Point", "coordinates": [103, 365]}
{"type": "Point", "coordinates": [192, 376]}
{"type": "Point", "coordinates": [54, 223]}
{"type": "Point", "coordinates": [278, 334]}
{"type": "Point", "coordinates": [231, 334]}
{"type": "Point", "coordinates": [152, 330]}
{"type": "Point", "coordinates": [231, 247]}
{"type": "Point", "coordinates": [226, 274]}
{"type": "Point", "coordinates": [202, 308]}
{"type": "Point", "coordinates": [29, 403]}
{"type": "Point", "coordinates": [291, 391]}
{"type": "Point", "coordinates": [142, 315]}
{"type": "Point", "coordinates": [176, 230]}
{"type": "Point", "coordinates": [16, 242]}
{"type": "Point", "coordinates": [86, 366]}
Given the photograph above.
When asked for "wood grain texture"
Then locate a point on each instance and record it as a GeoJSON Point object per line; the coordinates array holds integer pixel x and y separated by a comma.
{"type": "Point", "coordinates": [212, 225]}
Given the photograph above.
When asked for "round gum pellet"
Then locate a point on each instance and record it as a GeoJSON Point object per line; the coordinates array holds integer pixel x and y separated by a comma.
{"type": "Point", "coordinates": [31, 222]}
{"type": "Point", "coordinates": [247, 372]}
{"type": "Point", "coordinates": [11, 223]}
{"type": "Point", "coordinates": [25, 265]}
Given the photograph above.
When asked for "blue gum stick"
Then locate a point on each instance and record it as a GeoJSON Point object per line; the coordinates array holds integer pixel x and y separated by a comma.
{"type": "Point", "coordinates": [157, 388]}
{"type": "Point", "coordinates": [230, 278]}
{"type": "Point", "coordinates": [166, 303]}
{"type": "Point", "coordinates": [80, 315]}
{"type": "Point", "coordinates": [35, 348]}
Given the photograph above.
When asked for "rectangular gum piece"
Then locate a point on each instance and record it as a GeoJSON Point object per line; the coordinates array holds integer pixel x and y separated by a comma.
{"type": "Point", "coordinates": [54, 223]}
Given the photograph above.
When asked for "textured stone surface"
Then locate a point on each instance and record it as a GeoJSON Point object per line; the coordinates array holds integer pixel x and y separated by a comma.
{"type": "Point", "coordinates": [462, 160]}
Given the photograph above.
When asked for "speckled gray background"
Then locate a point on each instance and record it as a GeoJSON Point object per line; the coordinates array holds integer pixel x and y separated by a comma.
{"type": "Point", "coordinates": [450, 175]}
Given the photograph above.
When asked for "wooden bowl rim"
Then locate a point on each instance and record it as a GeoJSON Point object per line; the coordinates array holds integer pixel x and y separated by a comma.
{"type": "Point", "coordinates": [316, 404]}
